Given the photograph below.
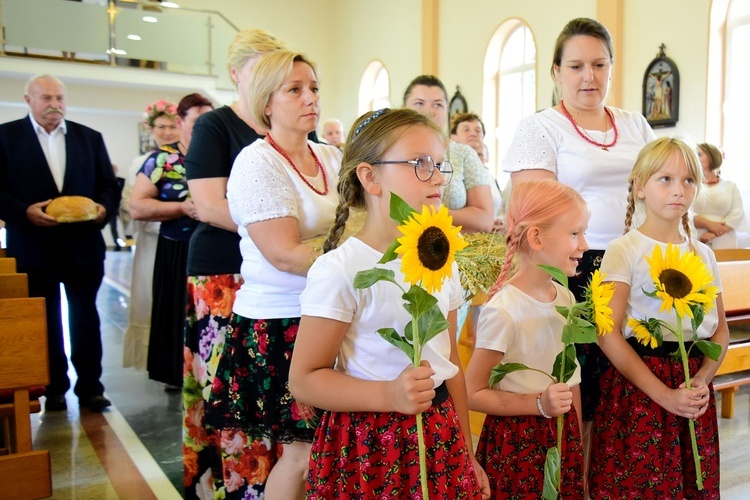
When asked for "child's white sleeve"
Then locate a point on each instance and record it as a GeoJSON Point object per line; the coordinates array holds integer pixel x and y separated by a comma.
{"type": "Point", "coordinates": [329, 292]}
{"type": "Point", "coordinates": [495, 327]}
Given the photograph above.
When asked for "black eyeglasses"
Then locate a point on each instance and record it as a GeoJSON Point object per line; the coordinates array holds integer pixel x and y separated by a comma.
{"type": "Point", "coordinates": [424, 167]}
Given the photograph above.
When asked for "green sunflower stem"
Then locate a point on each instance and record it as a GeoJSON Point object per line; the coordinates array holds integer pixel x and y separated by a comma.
{"type": "Point", "coordinates": [560, 426]}
{"type": "Point", "coordinates": [420, 432]}
{"type": "Point", "coordinates": [691, 422]}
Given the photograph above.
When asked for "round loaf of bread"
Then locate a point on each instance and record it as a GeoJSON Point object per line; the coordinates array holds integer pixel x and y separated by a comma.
{"type": "Point", "coordinates": [72, 209]}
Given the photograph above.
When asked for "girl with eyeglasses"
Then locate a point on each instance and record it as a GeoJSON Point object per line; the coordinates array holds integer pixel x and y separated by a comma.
{"type": "Point", "coordinates": [366, 444]}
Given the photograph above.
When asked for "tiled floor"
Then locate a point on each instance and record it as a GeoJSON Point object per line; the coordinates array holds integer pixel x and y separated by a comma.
{"type": "Point", "coordinates": [133, 450]}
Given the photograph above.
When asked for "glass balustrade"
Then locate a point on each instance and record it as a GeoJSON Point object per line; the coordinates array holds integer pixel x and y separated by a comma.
{"type": "Point", "coordinates": [138, 33]}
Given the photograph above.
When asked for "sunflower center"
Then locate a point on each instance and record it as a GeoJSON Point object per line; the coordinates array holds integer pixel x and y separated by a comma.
{"type": "Point", "coordinates": [676, 284]}
{"type": "Point", "coordinates": [433, 248]}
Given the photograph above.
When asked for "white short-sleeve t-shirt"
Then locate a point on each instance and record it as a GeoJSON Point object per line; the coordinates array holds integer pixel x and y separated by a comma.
{"type": "Point", "coordinates": [526, 331]}
{"type": "Point", "coordinates": [364, 354]}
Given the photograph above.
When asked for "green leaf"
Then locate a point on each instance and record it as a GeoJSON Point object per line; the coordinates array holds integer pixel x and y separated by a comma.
{"type": "Point", "coordinates": [698, 315]}
{"type": "Point", "coordinates": [418, 301]}
{"type": "Point", "coordinates": [556, 274]}
{"type": "Point", "coordinates": [564, 310]}
{"type": "Point", "coordinates": [654, 327]}
{"type": "Point", "coordinates": [579, 331]}
{"type": "Point", "coordinates": [431, 323]}
{"type": "Point", "coordinates": [400, 210]}
{"type": "Point", "coordinates": [393, 338]}
{"type": "Point", "coordinates": [569, 351]}
{"type": "Point", "coordinates": [365, 279]}
{"type": "Point", "coordinates": [409, 331]}
{"type": "Point", "coordinates": [708, 348]}
{"type": "Point", "coordinates": [390, 254]}
{"type": "Point", "coordinates": [650, 294]}
{"type": "Point", "coordinates": [500, 371]}
{"type": "Point", "coordinates": [551, 474]}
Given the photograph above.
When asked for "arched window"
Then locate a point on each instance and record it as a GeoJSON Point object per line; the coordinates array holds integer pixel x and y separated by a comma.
{"type": "Point", "coordinates": [736, 106]}
{"type": "Point", "coordinates": [374, 88]}
{"type": "Point", "coordinates": [509, 87]}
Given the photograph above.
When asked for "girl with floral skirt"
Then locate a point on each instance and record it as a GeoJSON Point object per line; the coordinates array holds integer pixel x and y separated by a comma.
{"type": "Point", "coordinates": [366, 445]}
{"type": "Point", "coordinates": [520, 324]}
{"type": "Point", "coordinates": [641, 445]}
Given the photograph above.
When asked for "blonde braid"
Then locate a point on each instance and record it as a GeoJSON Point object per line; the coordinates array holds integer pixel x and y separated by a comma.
{"type": "Point", "coordinates": [631, 208]}
{"type": "Point", "coordinates": [686, 225]}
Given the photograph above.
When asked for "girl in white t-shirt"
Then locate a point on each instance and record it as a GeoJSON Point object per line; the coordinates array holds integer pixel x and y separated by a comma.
{"type": "Point", "coordinates": [366, 443]}
{"type": "Point", "coordinates": [641, 443]}
{"type": "Point", "coordinates": [520, 324]}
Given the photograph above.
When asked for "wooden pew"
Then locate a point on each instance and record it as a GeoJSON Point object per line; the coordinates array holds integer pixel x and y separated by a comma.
{"type": "Point", "coordinates": [3, 252]}
{"type": "Point", "coordinates": [16, 286]}
{"type": "Point", "coordinates": [25, 472]}
{"type": "Point", "coordinates": [734, 372]}
{"type": "Point", "coordinates": [13, 286]}
{"type": "Point", "coordinates": [7, 265]}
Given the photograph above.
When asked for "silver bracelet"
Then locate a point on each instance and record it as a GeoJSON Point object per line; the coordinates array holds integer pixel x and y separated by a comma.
{"type": "Point", "coordinates": [540, 408]}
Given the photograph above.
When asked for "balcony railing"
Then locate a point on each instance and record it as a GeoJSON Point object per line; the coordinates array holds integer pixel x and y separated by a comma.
{"type": "Point", "coordinates": [137, 33]}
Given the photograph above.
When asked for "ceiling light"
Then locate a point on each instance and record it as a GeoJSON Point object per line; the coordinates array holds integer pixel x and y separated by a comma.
{"type": "Point", "coordinates": [116, 52]}
{"type": "Point", "coordinates": [134, 37]}
{"type": "Point", "coordinates": [170, 5]}
{"type": "Point", "coordinates": [150, 19]}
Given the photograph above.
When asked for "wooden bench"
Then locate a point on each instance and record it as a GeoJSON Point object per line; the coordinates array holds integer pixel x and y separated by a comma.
{"type": "Point", "coordinates": [16, 286]}
{"type": "Point", "coordinates": [734, 372]}
{"type": "Point", "coordinates": [7, 265]}
{"type": "Point", "coordinates": [25, 472]}
{"type": "Point", "coordinates": [13, 286]}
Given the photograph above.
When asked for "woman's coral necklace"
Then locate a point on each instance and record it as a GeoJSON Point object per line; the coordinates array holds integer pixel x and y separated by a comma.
{"type": "Point", "coordinates": [317, 162]}
{"type": "Point", "coordinates": [585, 136]}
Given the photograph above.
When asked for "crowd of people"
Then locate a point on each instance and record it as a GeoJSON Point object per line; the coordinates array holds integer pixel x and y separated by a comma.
{"type": "Point", "coordinates": [288, 391]}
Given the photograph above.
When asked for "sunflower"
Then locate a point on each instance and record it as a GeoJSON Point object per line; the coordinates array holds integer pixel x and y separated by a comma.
{"type": "Point", "coordinates": [642, 333]}
{"type": "Point", "coordinates": [598, 295]}
{"type": "Point", "coordinates": [428, 247]}
{"type": "Point", "coordinates": [681, 281]}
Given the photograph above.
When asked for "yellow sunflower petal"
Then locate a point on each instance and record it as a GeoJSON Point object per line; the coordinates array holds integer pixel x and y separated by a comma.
{"type": "Point", "coordinates": [601, 294]}
{"type": "Point", "coordinates": [641, 332]}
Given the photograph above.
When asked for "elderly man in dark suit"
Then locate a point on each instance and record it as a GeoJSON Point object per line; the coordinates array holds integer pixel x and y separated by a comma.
{"type": "Point", "coordinates": [43, 156]}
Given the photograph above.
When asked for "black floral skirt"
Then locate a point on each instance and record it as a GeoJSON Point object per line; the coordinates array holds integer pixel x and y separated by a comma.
{"type": "Point", "coordinates": [250, 391]}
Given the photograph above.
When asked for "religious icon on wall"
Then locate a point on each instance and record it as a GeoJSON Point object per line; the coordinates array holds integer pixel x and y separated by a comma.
{"type": "Point", "coordinates": [458, 103]}
{"type": "Point", "coordinates": [661, 91]}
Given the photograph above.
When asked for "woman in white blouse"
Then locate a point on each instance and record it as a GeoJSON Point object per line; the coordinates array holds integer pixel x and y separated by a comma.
{"type": "Point", "coordinates": [718, 209]}
{"type": "Point", "coordinates": [281, 191]}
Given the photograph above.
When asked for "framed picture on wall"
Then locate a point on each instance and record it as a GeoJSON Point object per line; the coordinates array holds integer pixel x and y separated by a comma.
{"type": "Point", "coordinates": [661, 91]}
{"type": "Point", "coordinates": [146, 142]}
{"type": "Point", "coordinates": [458, 103]}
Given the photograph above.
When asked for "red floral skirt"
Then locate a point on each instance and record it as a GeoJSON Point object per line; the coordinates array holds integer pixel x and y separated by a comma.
{"type": "Point", "coordinates": [639, 449]}
{"type": "Point", "coordinates": [512, 451]}
{"type": "Point", "coordinates": [376, 456]}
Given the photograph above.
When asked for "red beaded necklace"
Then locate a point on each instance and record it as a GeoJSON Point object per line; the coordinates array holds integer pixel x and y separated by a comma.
{"type": "Point", "coordinates": [588, 139]}
{"type": "Point", "coordinates": [301, 176]}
